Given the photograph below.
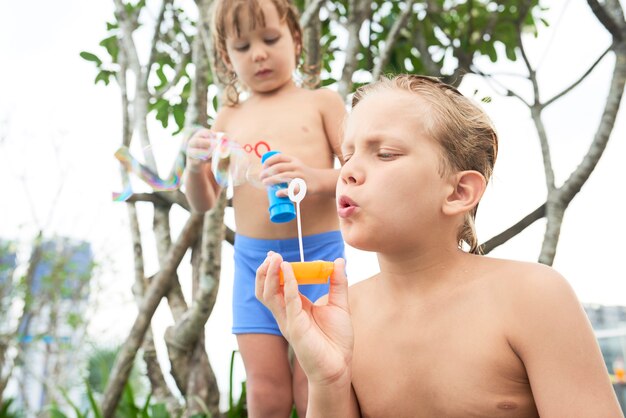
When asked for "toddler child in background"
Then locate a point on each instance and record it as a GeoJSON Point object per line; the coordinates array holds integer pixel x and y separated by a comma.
{"type": "Point", "coordinates": [258, 44]}
{"type": "Point", "coordinates": [441, 331]}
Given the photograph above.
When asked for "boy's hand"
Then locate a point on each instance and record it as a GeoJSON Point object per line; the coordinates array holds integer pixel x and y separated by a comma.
{"type": "Point", "coordinates": [321, 335]}
{"type": "Point", "coordinates": [199, 149]}
{"type": "Point", "coordinates": [281, 168]}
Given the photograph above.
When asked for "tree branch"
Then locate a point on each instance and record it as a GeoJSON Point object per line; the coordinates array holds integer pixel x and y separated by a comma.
{"type": "Point", "coordinates": [577, 82]}
{"type": "Point", "coordinates": [606, 20]}
{"type": "Point", "coordinates": [312, 9]}
{"type": "Point", "coordinates": [392, 38]}
{"type": "Point", "coordinates": [514, 230]}
{"type": "Point", "coordinates": [155, 292]}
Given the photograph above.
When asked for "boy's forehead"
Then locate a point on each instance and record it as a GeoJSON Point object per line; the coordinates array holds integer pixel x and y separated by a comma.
{"type": "Point", "coordinates": [248, 16]}
{"type": "Point", "coordinates": [386, 112]}
{"type": "Point", "coordinates": [386, 107]}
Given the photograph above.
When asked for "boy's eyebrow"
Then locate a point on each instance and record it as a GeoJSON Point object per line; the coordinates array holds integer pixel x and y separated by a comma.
{"type": "Point", "coordinates": [373, 141]}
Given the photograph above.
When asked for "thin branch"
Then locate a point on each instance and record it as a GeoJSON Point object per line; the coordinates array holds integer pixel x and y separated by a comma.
{"type": "Point", "coordinates": [391, 40]}
{"type": "Point", "coordinates": [155, 40]}
{"type": "Point", "coordinates": [312, 9]}
{"type": "Point", "coordinates": [607, 121]}
{"type": "Point", "coordinates": [606, 20]}
{"type": "Point", "coordinates": [514, 230]}
{"type": "Point", "coordinates": [127, 37]}
{"type": "Point", "coordinates": [162, 198]}
{"type": "Point", "coordinates": [356, 17]}
{"type": "Point", "coordinates": [491, 80]}
{"type": "Point", "coordinates": [155, 292]}
{"type": "Point", "coordinates": [577, 82]}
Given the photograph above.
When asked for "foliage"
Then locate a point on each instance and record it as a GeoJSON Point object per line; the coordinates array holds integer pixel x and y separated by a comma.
{"type": "Point", "coordinates": [7, 410]}
{"type": "Point", "coordinates": [452, 33]}
{"type": "Point", "coordinates": [235, 409]}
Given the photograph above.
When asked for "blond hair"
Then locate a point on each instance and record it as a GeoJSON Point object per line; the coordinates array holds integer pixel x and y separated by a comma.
{"type": "Point", "coordinates": [226, 21]}
{"type": "Point", "coordinates": [463, 130]}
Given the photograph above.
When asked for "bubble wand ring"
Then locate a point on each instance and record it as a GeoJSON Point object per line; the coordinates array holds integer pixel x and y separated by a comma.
{"type": "Point", "coordinates": [297, 198]}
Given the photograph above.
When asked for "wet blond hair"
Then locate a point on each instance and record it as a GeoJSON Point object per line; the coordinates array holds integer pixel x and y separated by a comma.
{"type": "Point", "coordinates": [465, 133]}
{"type": "Point", "coordinates": [226, 21]}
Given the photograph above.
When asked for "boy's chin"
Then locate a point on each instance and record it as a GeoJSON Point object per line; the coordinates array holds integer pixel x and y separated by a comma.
{"type": "Point", "coordinates": [360, 241]}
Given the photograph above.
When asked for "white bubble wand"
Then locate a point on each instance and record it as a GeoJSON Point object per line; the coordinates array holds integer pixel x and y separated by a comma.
{"type": "Point", "coordinates": [297, 198]}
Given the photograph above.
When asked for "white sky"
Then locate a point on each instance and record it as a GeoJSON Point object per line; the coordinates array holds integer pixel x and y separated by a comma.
{"type": "Point", "coordinates": [58, 133]}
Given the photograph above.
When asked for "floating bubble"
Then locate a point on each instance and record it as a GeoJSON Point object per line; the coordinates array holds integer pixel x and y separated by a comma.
{"type": "Point", "coordinates": [230, 163]}
{"type": "Point", "coordinates": [253, 174]}
{"type": "Point", "coordinates": [132, 165]}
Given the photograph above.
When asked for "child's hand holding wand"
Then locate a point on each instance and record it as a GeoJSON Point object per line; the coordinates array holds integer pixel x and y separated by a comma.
{"type": "Point", "coordinates": [321, 334]}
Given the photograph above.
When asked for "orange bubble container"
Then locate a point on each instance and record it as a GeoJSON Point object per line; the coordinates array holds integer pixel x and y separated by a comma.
{"type": "Point", "coordinates": [310, 272]}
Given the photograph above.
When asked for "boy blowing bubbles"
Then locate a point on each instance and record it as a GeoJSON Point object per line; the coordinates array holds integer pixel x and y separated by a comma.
{"type": "Point", "coordinates": [439, 332]}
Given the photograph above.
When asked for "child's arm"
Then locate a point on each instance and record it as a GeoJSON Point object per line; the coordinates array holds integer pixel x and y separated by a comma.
{"type": "Point", "coordinates": [320, 334]}
{"type": "Point", "coordinates": [552, 335]}
{"type": "Point", "coordinates": [333, 114]}
{"type": "Point", "coordinates": [200, 187]}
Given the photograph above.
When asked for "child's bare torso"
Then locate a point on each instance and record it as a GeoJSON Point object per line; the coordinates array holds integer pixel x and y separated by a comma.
{"type": "Point", "coordinates": [447, 356]}
{"type": "Point", "coordinates": [292, 124]}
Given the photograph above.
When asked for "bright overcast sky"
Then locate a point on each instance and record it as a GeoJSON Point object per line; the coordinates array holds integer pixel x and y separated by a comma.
{"type": "Point", "coordinates": [58, 133]}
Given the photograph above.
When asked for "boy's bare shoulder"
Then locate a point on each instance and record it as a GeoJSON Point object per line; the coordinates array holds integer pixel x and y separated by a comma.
{"type": "Point", "coordinates": [323, 98]}
{"type": "Point", "coordinates": [529, 296]}
{"type": "Point", "coordinates": [224, 115]}
{"type": "Point", "coordinates": [522, 279]}
{"type": "Point", "coordinates": [327, 98]}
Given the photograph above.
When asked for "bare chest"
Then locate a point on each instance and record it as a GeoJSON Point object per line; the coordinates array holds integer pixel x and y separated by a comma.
{"type": "Point", "coordinates": [290, 126]}
{"type": "Point", "coordinates": [442, 364]}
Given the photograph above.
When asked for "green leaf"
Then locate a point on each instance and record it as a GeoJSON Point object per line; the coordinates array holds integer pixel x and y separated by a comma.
{"type": "Point", "coordinates": [112, 46]}
{"type": "Point", "coordinates": [55, 412]}
{"type": "Point", "coordinates": [178, 111]}
{"type": "Point", "coordinates": [328, 81]}
{"type": "Point", "coordinates": [92, 402]}
{"type": "Point", "coordinates": [162, 108]}
{"type": "Point", "coordinates": [162, 78]}
{"type": "Point", "coordinates": [159, 411]}
{"type": "Point", "coordinates": [91, 57]}
{"type": "Point", "coordinates": [146, 406]}
{"type": "Point", "coordinates": [77, 411]}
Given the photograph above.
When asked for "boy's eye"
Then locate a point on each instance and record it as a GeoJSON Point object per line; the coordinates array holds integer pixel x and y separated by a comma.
{"type": "Point", "coordinates": [242, 47]}
{"type": "Point", "coordinates": [387, 156]}
{"type": "Point", "coordinates": [271, 41]}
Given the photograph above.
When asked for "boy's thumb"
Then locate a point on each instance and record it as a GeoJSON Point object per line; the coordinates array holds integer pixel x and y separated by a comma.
{"type": "Point", "coordinates": [338, 294]}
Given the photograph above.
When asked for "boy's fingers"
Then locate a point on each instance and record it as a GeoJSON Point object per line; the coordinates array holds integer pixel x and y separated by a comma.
{"type": "Point", "coordinates": [293, 303]}
{"type": "Point", "coordinates": [267, 288]}
{"type": "Point", "coordinates": [275, 159]}
{"type": "Point", "coordinates": [259, 282]}
{"type": "Point", "coordinates": [338, 294]}
{"type": "Point", "coordinates": [272, 285]}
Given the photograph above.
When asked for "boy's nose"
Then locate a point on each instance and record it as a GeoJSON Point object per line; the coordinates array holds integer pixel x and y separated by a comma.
{"type": "Point", "coordinates": [350, 175]}
{"type": "Point", "coordinates": [259, 53]}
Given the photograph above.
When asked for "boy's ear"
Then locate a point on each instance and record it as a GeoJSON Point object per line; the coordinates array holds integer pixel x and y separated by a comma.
{"type": "Point", "coordinates": [297, 40]}
{"type": "Point", "coordinates": [466, 191]}
{"type": "Point", "coordinates": [227, 62]}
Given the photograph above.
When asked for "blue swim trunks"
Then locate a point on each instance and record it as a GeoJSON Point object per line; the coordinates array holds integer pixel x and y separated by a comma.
{"type": "Point", "coordinates": [249, 315]}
